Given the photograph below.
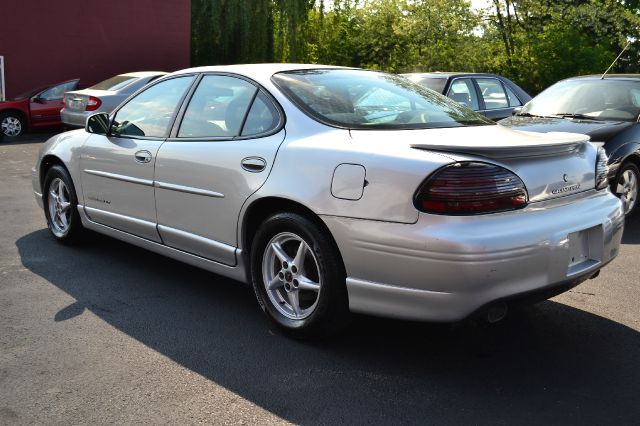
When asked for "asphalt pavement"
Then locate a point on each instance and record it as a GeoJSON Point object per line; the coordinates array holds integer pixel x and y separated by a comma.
{"type": "Point", "coordinates": [106, 333]}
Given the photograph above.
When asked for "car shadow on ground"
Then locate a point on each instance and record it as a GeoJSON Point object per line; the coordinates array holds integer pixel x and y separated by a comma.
{"type": "Point", "coordinates": [548, 364]}
{"type": "Point", "coordinates": [632, 230]}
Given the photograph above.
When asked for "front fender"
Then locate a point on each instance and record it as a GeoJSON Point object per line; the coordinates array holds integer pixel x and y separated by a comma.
{"type": "Point", "coordinates": [62, 148]}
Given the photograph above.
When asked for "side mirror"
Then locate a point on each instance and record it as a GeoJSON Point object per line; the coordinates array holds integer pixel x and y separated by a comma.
{"type": "Point", "coordinates": [516, 110]}
{"type": "Point", "coordinates": [98, 123]}
{"type": "Point", "coordinates": [37, 100]}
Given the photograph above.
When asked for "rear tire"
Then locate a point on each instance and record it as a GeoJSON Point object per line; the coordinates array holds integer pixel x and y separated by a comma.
{"type": "Point", "coordinates": [298, 277]}
{"type": "Point", "coordinates": [626, 187]}
{"type": "Point", "coordinates": [61, 206]}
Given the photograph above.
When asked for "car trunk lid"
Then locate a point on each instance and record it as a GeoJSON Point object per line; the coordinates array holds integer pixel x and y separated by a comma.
{"type": "Point", "coordinates": [551, 165]}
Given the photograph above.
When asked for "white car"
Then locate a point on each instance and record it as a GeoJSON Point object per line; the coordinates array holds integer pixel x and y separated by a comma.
{"type": "Point", "coordinates": [335, 190]}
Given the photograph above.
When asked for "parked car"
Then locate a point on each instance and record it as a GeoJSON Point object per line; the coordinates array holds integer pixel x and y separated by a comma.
{"type": "Point", "coordinates": [336, 190]}
{"type": "Point", "coordinates": [103, 97]}
{"type": "Point", "coordinates": [36, 108]}
{"type": "Point", "coordinates": [494, 96]}
{"type": "Point", "coordinates": [606, 109]}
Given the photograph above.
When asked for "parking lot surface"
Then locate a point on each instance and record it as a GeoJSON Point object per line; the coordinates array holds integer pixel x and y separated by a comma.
{"type": "Point", "coordinates": [106, 333]}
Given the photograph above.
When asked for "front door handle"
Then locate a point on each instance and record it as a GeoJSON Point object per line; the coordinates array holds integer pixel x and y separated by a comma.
{"type": "Point", "coordinates": [143, 156]}
{"type": "Point", "coordinates": [253, 164]}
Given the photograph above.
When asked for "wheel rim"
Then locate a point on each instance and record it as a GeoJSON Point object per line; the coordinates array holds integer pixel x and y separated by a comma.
{"type": "Point", "coordinates": [627, 190]}
{"type": "Point", "coordinates": [291, 276]}
{"type": "Point", "coordinates": [11, 126]}
{"type": "Point", "coordinates": [59, 207]}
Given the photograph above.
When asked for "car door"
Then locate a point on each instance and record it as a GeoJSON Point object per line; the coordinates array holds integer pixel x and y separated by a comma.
{"type": "Point", "coordinates": [118, 169]}
{"type": "Point", "coordinates": [46, 106]}
{"type": "Point", "coordinates": [219, 154]}
{"type": "Point", "coordinates": [498, 104]}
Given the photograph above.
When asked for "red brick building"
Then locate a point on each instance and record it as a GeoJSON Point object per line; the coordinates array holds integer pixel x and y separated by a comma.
{"type": "Point", "coordinates": [45, 42]}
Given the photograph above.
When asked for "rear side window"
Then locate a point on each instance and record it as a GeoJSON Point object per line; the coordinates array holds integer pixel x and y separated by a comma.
{"type": "Point", "coordinates": [262, 117]}
{"type": "Point", "coordinates": [513, 99]}
{"type": "Point", "coordinates": [222, 107]}
{"type": "Point", "coordinates": [492, 93]}
{"type": "Point", "coordinates": [150, 113]}
{"type": "Point", "coordinates": [463, 92]}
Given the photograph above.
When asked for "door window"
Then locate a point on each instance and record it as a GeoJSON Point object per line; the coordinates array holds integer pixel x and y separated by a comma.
{"type": "Point", "coordinates": [492, 93]}
{"type": "Point", "coordinates": [513, 99]}
{"type": "Point", "coordinates": [219, 106]}
{"type": "Point", "coordinates": [150, 113]}
{"type": "Point", "coordinates": [463, 92]}
{"type": "Point", "coordinates": [56, 92]}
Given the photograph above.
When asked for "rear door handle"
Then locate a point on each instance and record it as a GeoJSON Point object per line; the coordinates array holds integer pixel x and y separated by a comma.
{"type": "Point", "coordinates": [253, 164]}
{"type": "Point", "coordinates": [143, 156]}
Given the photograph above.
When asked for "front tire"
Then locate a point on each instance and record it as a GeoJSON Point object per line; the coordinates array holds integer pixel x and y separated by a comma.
{"type": "Point", "coordinates": [11, 124]}
{"type": "Point", "coordinates": [298, 277]}
{"type": "Point", "coordinates": [626, 187]}
{"type": "Point", "coordinates": [61, 205]}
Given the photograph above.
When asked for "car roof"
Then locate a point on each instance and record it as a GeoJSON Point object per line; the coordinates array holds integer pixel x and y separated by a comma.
{"type": "Point", "coordinates": [140, 74]}
{"type": "Point", "coordinates": [262, 70]}
{"type": "Point", "coordinates": [607, 77]}
{"type": "Point", "coordinates": [445, 74]}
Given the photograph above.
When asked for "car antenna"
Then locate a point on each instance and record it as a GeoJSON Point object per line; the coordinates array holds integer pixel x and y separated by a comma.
{"type": "Point", "coordinates": [616, 60]}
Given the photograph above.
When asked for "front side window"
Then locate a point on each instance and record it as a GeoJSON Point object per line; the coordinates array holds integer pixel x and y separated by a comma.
{"type": "Point", "coordinates": [57, 92]}
{"type": "Point", "coordinates": [360, 99]}
{"type": "Point", "coordinates": [463, 92]}
{"type": "Point", "coordinates": [492, 93]}
{"type": "Point", "coordinates": [150, 113]}
{"type": "Point", "coordinates": [595, 99]}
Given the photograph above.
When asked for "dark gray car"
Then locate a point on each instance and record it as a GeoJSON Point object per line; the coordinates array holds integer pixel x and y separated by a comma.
{"type": "Point", "coordinates": [494, 96]}
{"type": "Point", "coordinates": [606, 109]}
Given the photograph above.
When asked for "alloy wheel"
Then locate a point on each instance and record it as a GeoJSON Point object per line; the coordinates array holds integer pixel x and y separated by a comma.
{"type": "Point", "coordinates": [627, 190]}
{"type": "Point", "coordinates": [291, 276]}
{"type": "Point", "coordinates": [11, 126]}
{"type": "Point", "coordinates": [59, 207]}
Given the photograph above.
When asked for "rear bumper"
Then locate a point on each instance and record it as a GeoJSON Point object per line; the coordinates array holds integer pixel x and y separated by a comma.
{"type": "Point", "coordinates": [445, 268]}
{"type": "Point", "coordinates": [74, 118]}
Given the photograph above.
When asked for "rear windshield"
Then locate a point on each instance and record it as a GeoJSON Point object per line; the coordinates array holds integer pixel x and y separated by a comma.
{"type": "Point", "coordinates": [113, 83]}
{"type": "Point", "coordinates": [360, 99]}
{"type": "Point", "coordinates": [433, 83]}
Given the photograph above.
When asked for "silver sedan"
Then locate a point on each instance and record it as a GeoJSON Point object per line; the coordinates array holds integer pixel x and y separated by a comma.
{"type": "Point", "coordinates": [103, 97]}
{"type": "Point", "coordinates": [335, 190]}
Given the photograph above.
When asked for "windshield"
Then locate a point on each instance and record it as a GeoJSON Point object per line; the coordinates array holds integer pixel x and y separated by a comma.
{"type": "Point", "coordinates": [28, 94]}
{"type": "Point", "coordinates": [359, 99]}
{"type": "Point", "coordinates": [617, 100]}
{"type": "Point", "coordinates": [113, 83]}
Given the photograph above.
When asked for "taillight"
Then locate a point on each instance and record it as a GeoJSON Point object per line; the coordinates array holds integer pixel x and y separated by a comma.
{"type": "Point", "coordinates": [93, 104]}
{"type": "Point", "coordinates": [602, 170]}
{"type": "Point", "coordinates": [66, 98]}
{"type": "Point", "coordinates": [469, 188]}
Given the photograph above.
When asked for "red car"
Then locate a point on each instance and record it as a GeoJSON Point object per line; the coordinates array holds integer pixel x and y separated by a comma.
{"type": "Point", "coordinates": [34, 109]}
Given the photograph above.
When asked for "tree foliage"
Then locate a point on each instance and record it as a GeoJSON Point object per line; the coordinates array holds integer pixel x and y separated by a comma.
{"type": "Point", "coordinates": [535, 42]}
